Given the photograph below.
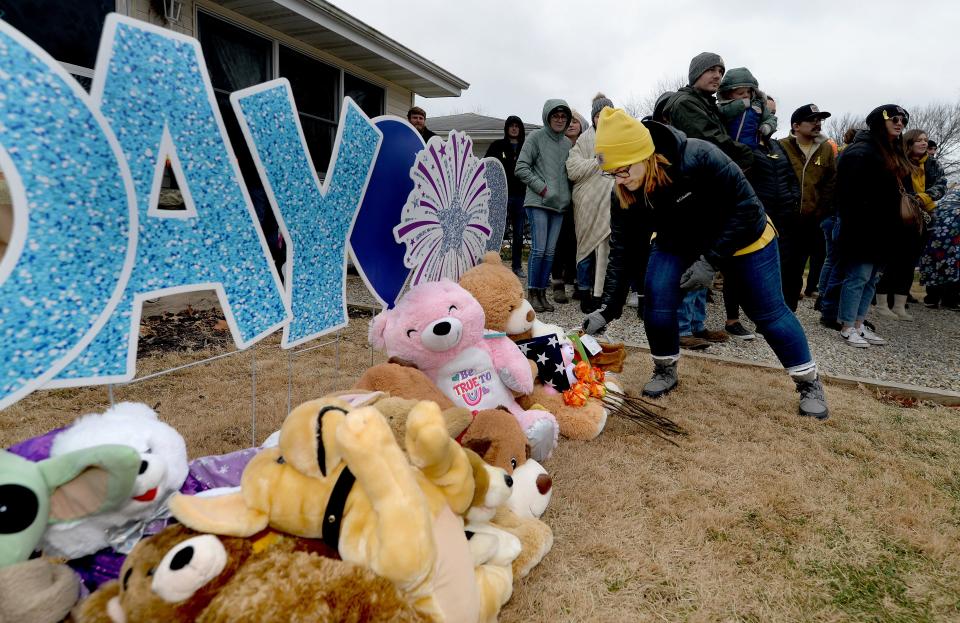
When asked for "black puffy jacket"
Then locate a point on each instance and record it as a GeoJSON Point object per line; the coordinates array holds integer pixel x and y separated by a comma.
{"type": "Point", "coordinates": [709, 209]}
{"type": "Point", "coordinates": [867, 197]}
{"type": "Point", "coordinates": [775, 182]}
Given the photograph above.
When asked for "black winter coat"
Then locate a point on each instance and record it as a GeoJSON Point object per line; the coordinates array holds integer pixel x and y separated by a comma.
{"type": "Point", "coordinates": [709, 209]}
{"type": "Point", "coordinates": [775, 182]}
{"type": "Point", "coordinates": [696, 115]}
{"type": "Point", "coordinates": [867, 197]}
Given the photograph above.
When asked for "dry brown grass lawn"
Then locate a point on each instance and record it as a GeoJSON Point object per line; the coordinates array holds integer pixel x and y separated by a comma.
{"type": "Point", "coordinates": [759, 515]}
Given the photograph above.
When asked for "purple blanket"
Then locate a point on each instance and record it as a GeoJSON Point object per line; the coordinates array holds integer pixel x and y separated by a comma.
{"type": "Point", "coordinates": [209, 472]}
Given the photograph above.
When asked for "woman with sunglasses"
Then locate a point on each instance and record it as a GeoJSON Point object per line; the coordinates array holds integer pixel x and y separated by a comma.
{"type": "Point", "coordinates": [867, 195]}
{"type": "Point", "coordinates": [707, 218]}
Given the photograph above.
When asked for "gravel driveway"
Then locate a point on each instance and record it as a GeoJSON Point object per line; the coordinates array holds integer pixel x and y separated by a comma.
{"type": "Point", "coordinates": [924, 352]}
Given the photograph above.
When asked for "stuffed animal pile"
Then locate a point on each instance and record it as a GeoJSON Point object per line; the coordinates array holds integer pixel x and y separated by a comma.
{"type": "Point", "coordinates": [415, 495]}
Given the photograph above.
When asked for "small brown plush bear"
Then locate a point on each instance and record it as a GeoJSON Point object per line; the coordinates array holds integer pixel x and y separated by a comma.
{"type": "Point", "coordinates": [499, 440]}
{"type": "Point", "coordinates": [501, 296]}
{"type": "Point", "coordinates": [179, 575]}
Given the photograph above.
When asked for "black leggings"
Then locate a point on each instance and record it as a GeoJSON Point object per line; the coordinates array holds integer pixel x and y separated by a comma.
{"type": "Point", "coordinates": [898, 276]}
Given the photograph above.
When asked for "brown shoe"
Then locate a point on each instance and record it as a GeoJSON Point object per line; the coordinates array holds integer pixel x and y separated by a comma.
{"type": "Point", "coordinates": [712, 336]}
{"type": "Point", "coordinates": [691, 342]}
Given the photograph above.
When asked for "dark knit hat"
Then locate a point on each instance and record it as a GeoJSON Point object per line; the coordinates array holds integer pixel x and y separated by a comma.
{"type": "Point", "coordinates": [702, 62]}
{"type": "Point", "coordinates": [600, 101]}
{"type": "Point", "coordinates": [882, 113]}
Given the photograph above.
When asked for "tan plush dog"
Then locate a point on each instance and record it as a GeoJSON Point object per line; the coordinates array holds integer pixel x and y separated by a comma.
{"type": "Point", "coordinates": [496, 437]}
{"type": "Point", "coordinates": [398, 520]}
{"type": "Point", "coordinates": [181, 576]}
{"type": "Point", "coordinates": [501, 296]}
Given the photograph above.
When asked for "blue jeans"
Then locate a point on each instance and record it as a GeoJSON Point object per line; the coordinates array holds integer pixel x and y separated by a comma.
{"type": "Point", "coordinates": [544, 231]}
{"type": "Point", "coordinates": [755, 278]}
{"type": "Point", "coordinates": [692, 313]}
{"type": "Point", "coordinates": [585, 270]}
{"type": "Point", "coordinates": [827, 225]}
{"type": "Point", "coordinates": [859, 285]}
{"type": "Point", "coordinates": [518, 218]}
{"type": "Point", "coordinates": [831, 277]}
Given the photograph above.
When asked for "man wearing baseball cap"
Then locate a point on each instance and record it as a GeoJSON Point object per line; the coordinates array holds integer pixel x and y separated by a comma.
{"type": "Point", "coordinates": [803, 237]}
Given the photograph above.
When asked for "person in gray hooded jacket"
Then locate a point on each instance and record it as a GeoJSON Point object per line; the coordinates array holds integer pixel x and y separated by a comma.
{"type": "Point", "coordinates": [542, 167]}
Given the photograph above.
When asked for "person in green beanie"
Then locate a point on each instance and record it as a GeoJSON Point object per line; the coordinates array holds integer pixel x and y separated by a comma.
{"type": "Point", "coordinates": [693, 109]}
{"type": "Point", "coordinates": [706, 217]}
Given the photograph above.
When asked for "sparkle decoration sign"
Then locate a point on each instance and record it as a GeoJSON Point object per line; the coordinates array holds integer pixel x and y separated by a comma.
{"type": "Point", "coordinates": [74, 218]}
{"type": "Point", "coordinates": [445, 223]}
{"type": "Point", "coordinates": [315, 220]}
{"type": "Point", "coordinates": [165, 110]}
{"type": "Point", "coordinates": [497, 204]}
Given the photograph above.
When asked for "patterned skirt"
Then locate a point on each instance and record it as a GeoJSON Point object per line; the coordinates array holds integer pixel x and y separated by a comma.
{"type": "Point", "coordinates": [940, 264]}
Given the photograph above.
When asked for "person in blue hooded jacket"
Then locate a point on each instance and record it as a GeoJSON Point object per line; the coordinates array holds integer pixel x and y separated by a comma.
{"type": "Point", "coordinates": [542, 167]}
{"type": "Point", "coordinates": [706, 217]}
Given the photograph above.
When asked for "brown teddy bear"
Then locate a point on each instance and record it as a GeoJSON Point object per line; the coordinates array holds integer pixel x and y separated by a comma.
{"type": "Point", "coordinates": [339, 474]}
{"type": "Point", "coordinates": [179, 575]}
{"type": "Point", "coordinates": [501, 295]}
{"type": "Point", "coordinates": [499, 440]}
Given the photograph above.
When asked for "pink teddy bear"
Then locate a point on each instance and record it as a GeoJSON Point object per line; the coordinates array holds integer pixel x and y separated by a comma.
{"type": "Point", "coordinates": [438, 327]}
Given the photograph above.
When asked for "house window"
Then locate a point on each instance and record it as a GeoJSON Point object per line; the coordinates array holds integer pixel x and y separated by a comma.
{"type": "Point", "coordinates": [316, 92]}
{"type": "Point", "coordinates": [369, 97]}
{"type": "Point", "coordinates": [67, 31]}
{"type": "Point", "coordinates": [236, 59]}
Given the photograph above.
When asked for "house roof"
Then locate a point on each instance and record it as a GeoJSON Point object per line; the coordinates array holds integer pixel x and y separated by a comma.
{"type": "Point", "coordinates": [322, 25]}
{"type": "Point", "coordinates": [473, 124]}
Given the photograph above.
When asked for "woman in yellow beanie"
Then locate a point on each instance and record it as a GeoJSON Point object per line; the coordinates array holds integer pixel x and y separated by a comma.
{"type": "Point", "coordinates": [706, 217]}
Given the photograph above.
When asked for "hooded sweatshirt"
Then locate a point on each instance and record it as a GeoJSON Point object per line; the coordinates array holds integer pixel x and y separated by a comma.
{"type": "Point", "coordinates": [542, 163]}
{"type": "Point", "coordinates": [507, 153]}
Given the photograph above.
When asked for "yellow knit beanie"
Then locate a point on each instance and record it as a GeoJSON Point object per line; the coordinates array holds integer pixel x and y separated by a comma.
{"type": "Point", "coordinates": [621, 140]}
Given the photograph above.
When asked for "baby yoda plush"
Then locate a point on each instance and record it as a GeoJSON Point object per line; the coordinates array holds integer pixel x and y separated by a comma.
{"type": "Point", "coordinates": [35, 495]}
{"type": "Point", "coordinates": [181, 576]}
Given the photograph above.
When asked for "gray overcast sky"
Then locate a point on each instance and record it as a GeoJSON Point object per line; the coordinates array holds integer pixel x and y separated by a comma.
{"type": "Point", "coordinates": [844, 56]}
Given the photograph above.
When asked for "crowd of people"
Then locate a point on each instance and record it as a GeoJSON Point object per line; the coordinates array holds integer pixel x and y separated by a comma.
{"type": "Point", "coordinates": [659, 210]}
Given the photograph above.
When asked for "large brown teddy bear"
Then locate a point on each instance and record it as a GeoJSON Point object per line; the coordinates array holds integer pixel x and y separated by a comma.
{"type": "Point", "coordinates": [339, 474]}
{"type": "Point", "coordinates": [180, 576]}
{"type": "Point", "coordinates": [501, 296]}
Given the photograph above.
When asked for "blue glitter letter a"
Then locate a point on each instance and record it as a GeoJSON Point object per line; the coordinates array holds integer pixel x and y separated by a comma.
{"type": "Point", "coordinates": [317, 221]}
{"type": "Point", "coordinates": [153, 88]}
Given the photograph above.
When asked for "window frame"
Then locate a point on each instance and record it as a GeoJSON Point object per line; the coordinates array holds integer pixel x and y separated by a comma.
{"type": "Point", "coordinates": [299, 48]}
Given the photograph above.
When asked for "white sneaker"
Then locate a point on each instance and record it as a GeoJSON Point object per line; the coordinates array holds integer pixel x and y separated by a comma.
{"type": "Point", "coordinates": [852, 337]}
{"type": "Point", "coordinates": [871, 337]}
{"type": "Point", "coordinates": [633, 300]}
